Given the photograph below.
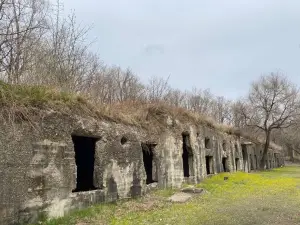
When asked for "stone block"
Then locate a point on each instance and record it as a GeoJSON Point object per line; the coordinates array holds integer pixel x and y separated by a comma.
{"type": "Point", "coordinates": [180, 197]}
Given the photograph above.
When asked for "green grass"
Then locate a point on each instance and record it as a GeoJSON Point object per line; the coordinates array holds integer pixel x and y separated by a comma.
{"type": "Point", "coordinates": [31, 103]}
{"type": "Point", "coordinates": [264, 198]}
{"type": "Point", "coordinates": [21, 98]}
{"type": "Point", "coordinates": [35, 96]}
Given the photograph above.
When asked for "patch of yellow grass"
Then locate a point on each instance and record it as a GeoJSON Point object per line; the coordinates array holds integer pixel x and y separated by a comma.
{"type": "Point", "coordinates": [265, 198]}
{"type": "Point", "coordinates": [260, 198]}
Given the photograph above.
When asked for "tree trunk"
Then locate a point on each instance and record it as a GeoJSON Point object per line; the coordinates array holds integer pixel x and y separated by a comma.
{"type": "Point", "coordinates": [265, 152]}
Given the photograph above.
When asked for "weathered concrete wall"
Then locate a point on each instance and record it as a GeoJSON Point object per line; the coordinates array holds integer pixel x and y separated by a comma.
{"type": "Point", "coordinates": [38, 166]}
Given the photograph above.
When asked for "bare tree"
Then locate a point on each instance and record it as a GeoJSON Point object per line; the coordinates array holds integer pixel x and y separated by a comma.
{"type": "Point", "coordinates": [157, 89]}
{"type": "Point", "coordinates": [273, 103]}
{"type": "Point", "coordinates": [176, 98]}
{"type": "Point", "coordinates": [221, 109]}
{"type": "Point", "coordinates": [289, 139]}
{"type": "Point", "coordinates": [127, 85]}
{"type": "Point", "coordinates": [200, 101]}
{"type": "Point", "coordinates": [63, 58]}
{"type": "Point", "coordinates": [22, 25]}
{"type": "Point", "coordinates": [236, 114]}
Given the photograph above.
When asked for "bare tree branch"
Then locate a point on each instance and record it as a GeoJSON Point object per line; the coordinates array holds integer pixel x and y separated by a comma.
{"type": "Point", "coordinates": [273, 103]}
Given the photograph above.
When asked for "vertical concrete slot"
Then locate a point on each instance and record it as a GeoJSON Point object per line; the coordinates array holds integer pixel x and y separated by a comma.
{"type": "Point", "coordinates": [84, 148]}
{"type": "Point", "coordinates": [149, 163]}
{"type": "Point", "coordinates": [187, 156]}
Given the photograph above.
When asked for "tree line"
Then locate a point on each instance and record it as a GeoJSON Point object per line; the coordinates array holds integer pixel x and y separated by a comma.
{"type": "Point", "coordinates": [41, 46]}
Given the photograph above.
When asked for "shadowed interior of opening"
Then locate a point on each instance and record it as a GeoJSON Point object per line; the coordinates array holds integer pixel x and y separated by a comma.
{"type": "Point", "coordinates": [251, 163]}
{"type": "Point", "coordinates": [245, 157]}
{"type": "Point", "coordinates": [85, 158]}
{"type": "Point", "coordinates": [256, 161]}
{"type": "Point", "coordinates": [148, 162]}
{"type": "Point", "coordinates": [187, 156]}
{"type": "Point", "coordinates": [208, 163]}
{"type": "Point", "coordinates": [224, 163]}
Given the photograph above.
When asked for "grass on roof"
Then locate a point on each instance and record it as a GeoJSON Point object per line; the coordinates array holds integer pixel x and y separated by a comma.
{"type": "Point", "coordinates": [36, 96]}
{"type": "Point", "coordinates": [20, 97]}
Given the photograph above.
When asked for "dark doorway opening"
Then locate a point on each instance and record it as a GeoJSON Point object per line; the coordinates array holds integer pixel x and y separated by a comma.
{"type": "Point", "coordinates": [277, 161]}
{"type": "Point", "coordinates": [149, 163]}
{"type": "Point", "coordinates": [237, 164]}
{"type": "Point", "coordinates": [209, 164]}
{"type": "Point", "coordinates": [245, 157]}
{"type": "Point", "coordinates": [251, 163]}
{"type": "Point", "coordinates": [84, 148]}
{"type": "Point", "coordinates": [187, 156]}
{"type": "Point", "coordinates": [225, 165]}
{"type": "Point", "coordinates": [256, 162]}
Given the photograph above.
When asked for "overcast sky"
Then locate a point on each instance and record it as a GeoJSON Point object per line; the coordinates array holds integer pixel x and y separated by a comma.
{"type": "Point", "coordinates": [215, 44]}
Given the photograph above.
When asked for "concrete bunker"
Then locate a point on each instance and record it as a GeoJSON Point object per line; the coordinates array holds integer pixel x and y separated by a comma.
{"type": "Point", "coordinates": [64, 153]}
{"type": "Point", "coordinates": [187, 155]}
{"type": "Point", "coordinates": [84, 148]}
{"type": "Point", "coordinates": [225, 164]}
{"type": "Point", "coordinates": [209, 164]}
{"type": "Point", "coordinates": [149, 161]}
